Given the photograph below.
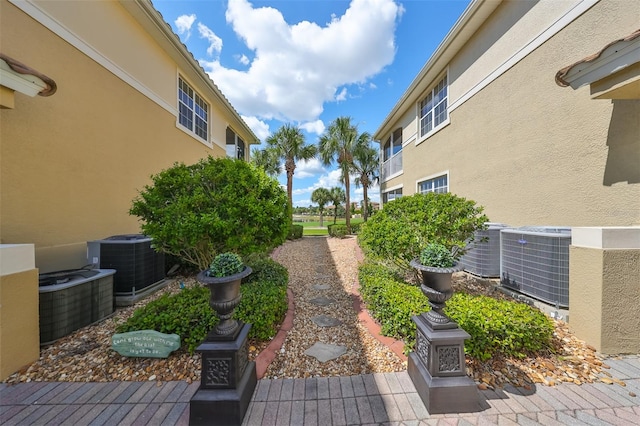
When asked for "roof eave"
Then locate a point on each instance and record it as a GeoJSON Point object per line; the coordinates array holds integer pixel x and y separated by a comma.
{"type": "Point", "coordinates": [153, 17]}
{"type": "Point", "coordinates": [471, 19]}
{"type": "Point", "coordinates": [613, 58]}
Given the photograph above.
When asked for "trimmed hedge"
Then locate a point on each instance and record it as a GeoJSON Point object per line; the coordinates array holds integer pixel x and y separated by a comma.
{"type": "Point", "coordinates": [497, 327]}
{"type": "Point", "coordinates": [337, 230]}
{"type": "Point", "coordinates": [406, 225]}
{"type": "Point", "coordinates": [295, 232]}
{"type": "Point", "coordinates": [188, 314]}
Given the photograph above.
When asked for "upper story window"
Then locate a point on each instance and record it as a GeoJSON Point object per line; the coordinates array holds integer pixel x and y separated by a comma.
{"type": "Point", "coordinates": [392, 155]}
{"type": "Point", "coordinates": [393, 145]}
{"type": "Point", "coordinates": [235, 145]}
{"type": "Point", "coordinates": [193, 110]}
{"type": "Point", "coordinates": [433, 108]}
{"type": "Point", "coordinates": [438, 184]}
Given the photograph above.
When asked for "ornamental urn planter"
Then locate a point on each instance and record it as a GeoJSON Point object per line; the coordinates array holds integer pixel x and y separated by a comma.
{"type": "Point", "coordinates": [225, 297]}
{"type": "Point", "coordinates": [437, 287]}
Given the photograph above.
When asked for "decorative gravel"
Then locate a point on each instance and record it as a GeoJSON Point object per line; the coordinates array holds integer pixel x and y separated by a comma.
{"type": "Point", "coordinates": [322, 274]}
{"type": "Point", "coordinates": [323, 270]}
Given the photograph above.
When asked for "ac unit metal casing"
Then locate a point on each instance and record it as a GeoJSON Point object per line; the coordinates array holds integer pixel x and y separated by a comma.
{"type": "Point", "coordinates": [137, 264]}
{"type": "Point", "coordinates": [483, 253]}
{"type": "Point", "coordinates": [534, 260]}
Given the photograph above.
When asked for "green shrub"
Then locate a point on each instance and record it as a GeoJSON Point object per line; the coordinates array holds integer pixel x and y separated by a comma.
{"type": "Point", "coordinates": [337, 230]}
{"type": "Point", "coordinates": [437, 256]}
{"type": "Point", "coordinates": [225, 265]}
{"type": "Point", "coordinates": [189, 315]}
{"type": "Point", "coordinates": [497, 327]}
{"type": "Point", "coordinates": [405, 225]}
{"type": "Point", "coordinates": [355, 228]}
{"type": "Point", "coordinates": [196, 211]}
{"type": "Point", "coordinates": [295, 232]}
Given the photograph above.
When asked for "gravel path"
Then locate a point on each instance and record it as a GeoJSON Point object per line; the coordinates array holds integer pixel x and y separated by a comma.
{"type": "Point", "coordinates": [322, 275]}
{"type": "Point", "coordinates": [324, 270]}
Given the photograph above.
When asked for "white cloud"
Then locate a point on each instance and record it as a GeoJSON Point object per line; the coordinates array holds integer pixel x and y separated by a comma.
{"type": "Point", "coordinates": [328, 181]}
{"type": "Point", "coordinates": [342, 95]}
{"type": "Point", "coordinates": [302, 203]}
{"type": "Point", "coordinates": [297, 67]}
{"type": "Point", "coordinates": [316, 127]}
{"type": "Point", "coordinates": [215, 42]}
{"type": "Point", "coordinates": [260, 128]}
{"type": "Point", "coordinates": [183, 24]}
{"type": "Point", "coordinates": [242, 59]}
{"type": "Point", "coordinates": [310, 168]}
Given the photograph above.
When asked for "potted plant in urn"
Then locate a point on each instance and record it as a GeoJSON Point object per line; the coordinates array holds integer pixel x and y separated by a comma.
{"type": "Point", "coordinates": [223, 279]}
{"type": "Point", "coordinates": [437, 264]}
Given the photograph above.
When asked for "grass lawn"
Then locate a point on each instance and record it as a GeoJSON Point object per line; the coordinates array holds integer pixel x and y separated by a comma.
{"type": "Point", "coordinates": [313, 227]}
{"type": "Point", "coordinates": [315, 221]}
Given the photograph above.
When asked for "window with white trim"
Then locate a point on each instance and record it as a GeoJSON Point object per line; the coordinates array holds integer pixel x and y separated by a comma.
{"type": "Point", "coordinates": [392, 155]}
{"type": "Point", "coordinates": [193, 111]}
{"type": "Point", "coordinates": [391, 195]}
{"type": "Point", "coordinates": [433, 108]}
{"type": "Point", "coordinates": [438, 184]}
{"type": "Point", "coordinates": [235, 145]}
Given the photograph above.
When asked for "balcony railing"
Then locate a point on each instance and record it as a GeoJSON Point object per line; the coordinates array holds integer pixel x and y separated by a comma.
{"type": "Point", "coordinates": [392, 166]}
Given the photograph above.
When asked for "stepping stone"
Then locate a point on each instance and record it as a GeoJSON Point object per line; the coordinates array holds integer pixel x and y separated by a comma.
{"type": "Point", "coordinates": [322, 301]}
{"type": "Point", "coordinates": [324, 352]}
{"type": "Point", "coordinates": [325, 321]}
{"type": "Point", "coordinates": [321, 287]}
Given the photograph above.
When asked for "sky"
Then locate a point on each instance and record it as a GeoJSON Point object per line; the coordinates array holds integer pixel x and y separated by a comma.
{"type": "Point", "coordinates": [307, 62]}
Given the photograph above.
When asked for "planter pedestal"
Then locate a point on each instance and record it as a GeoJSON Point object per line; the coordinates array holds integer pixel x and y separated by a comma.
{"type": "Point", "coordinates": [227, 380]}
{"type": "Point", "coordinates": [437, 369]}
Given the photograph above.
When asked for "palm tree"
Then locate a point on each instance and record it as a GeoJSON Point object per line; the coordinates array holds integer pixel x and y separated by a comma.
{"type": "Point", "coordinates": [337, 198]}
{"type": "Point", "coordinates": [267, 160]}
{"type": "Point", "coordinates": [288, 144]}
{"type": "Point", "coordinates": [366, 163]}
{"type": "Point", "coordinates": [322, 197]}
{"type": "Point", "coordinates": [338, 143]}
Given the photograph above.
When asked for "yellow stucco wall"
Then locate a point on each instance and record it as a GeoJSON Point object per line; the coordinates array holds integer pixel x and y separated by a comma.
{"type": "Point", "coordinates": [72, 163]}
{"type": "Point", "coordinates": [531, 152]}
{"type": "Point", "coordinates": [604, 289]}
{"type": "Point", "coordinates": [19, 326]}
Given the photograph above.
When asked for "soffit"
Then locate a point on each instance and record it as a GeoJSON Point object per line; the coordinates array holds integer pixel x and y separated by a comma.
{"type": "Point", "coordinates": [471, 19]}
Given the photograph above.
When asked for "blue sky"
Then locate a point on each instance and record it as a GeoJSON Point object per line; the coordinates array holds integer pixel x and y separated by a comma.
{"type": "Point", "coordinates": [307, 62]}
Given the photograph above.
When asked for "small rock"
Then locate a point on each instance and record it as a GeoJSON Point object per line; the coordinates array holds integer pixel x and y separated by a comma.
{"type": "Point", "coordinates": [152, 378]}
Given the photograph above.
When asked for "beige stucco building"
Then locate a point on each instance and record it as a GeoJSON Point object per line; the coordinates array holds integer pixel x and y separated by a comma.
{"type": "Point", "coordinates": [96, 97]}
{"type": "Point", "coordinates": [486, 119]}
{"type": "Point", "coordinates": [130, 101]}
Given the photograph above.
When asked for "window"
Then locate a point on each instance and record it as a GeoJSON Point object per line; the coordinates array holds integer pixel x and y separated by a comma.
{"type": "Point", "coordinates": [438, 184]}
{"type": "Point", "coordinates": [433, 108]}
{"type": "Point", "coordinates": [391, 195]}
{"type": "Point", "coordinates": [392, 155]}
{"type": "Point", "coordinates": [235, 145]}
{"type": "Point", "coordinates": [193, 111]}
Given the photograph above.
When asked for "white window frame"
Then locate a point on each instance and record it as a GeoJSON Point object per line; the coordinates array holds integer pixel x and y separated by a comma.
{"type": "Point", "coordinates": [392, 189]}
{"type": "Point", "coordinates": [393, 158]}
{"type": "Point", "coordinates": [441, 102]}
{"type": "Point", "coordinates": [432, 178]}
{"type": "Point", "coordinates": [192, 103]}
{"type": "Point", "coordinates": [235, 145]}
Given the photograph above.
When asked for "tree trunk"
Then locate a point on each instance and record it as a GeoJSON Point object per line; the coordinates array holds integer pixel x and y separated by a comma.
{"type": "Point", "coordinates": [347, 208]}
{"type": "Point", "coordinates": [365, 206]}
{"type": "Point", "coordinates": [320, 218]}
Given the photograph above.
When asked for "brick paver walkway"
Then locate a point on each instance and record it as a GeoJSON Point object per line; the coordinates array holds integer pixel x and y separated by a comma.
{"type": "Point", "coordinates": [387, 398]}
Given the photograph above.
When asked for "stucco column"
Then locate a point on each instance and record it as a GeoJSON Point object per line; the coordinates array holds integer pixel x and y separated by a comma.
{"type": "Point", "coordinates": [604, 287]}
{"type": "Point", "coordinates": [19, 315]}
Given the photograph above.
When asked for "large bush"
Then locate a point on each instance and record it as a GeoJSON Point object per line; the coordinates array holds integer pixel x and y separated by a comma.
{"type": "Point", "coordinates": [406, 225]}
{"type": "Point", "coordinates": [195, 212]}
{"type": "Point", "coordinates": [497, 327]}
{"type": "Point", "coordinates": [189, 315]}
